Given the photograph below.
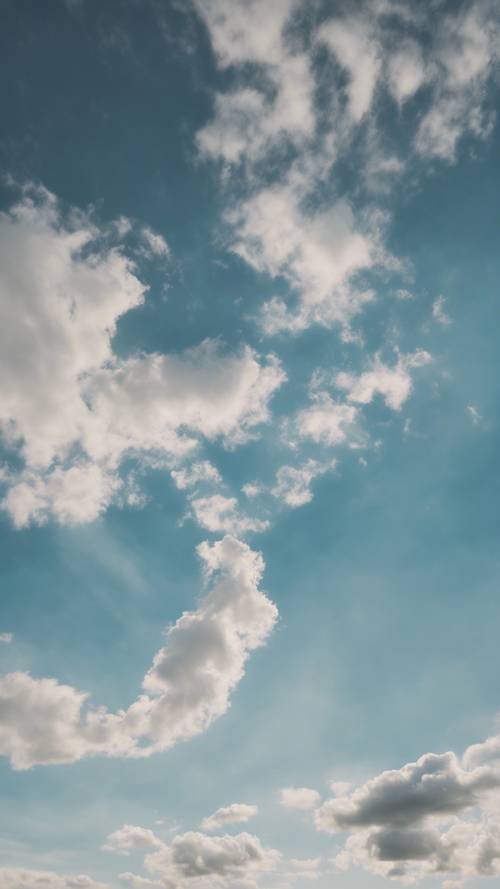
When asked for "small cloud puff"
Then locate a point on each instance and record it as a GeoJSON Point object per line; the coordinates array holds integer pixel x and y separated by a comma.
{"type": "Point", "coordinates": [236, 813]}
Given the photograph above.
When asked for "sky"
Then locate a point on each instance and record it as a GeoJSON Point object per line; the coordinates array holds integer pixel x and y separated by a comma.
{"type": "Point", "coordinates": [249, 441]}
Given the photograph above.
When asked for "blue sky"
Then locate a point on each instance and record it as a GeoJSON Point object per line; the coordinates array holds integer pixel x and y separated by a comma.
{"type": "Point", "coordinates": [249, 433]}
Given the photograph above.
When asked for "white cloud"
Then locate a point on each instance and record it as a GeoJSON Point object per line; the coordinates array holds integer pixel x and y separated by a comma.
{"type": "Point", "coordinates": [252, 489]}
{"type": "Point", "coordinates": [299, 798]}
{"type": "Point", "coordinates": [187, 687]}
{"type": "Point", "coordinates": [75, 495]}
{"type": "Point", "coordinates": [129, 838]}
{"type": "Point", "coordinates": [24, 878]}
{"type": "Point", "coordinates": [439, 313]}
{"type": "Point", "coordinates": [286, 221]}
{"type": "Point", "coordinates": [6, 638]}
{"type": "Point", "coordinates": [70, 408]}
{"type": "Point", "coordinates": [318, 253]}
{"type": "Point", "coordinates": [293, 484]}
{"type": "Point", "coordinates": [221, 514]}
{"type": "Point", "coordinates": [406, 71]}
{"type": "Point", "coordinates": [394, 384]}
{"type": "Point", "coordinates": [192, 475]}
{"type": "Point", "coordinates": [247, 123]}
{"type": "Point", "coordinates": [467, 49]}
{"type": "Point", "coordinates": [326, 421]}
{"type": "Point", "coordinates": [246, 30]}
{"type": "Point", "coordinates": [236, 813]}
{"type": "Point", "coordinates": [212, 861]}
{"type": "Point", "coordinates": [351, 40]}
{"type": "Point", "coordinates": [433, 816]}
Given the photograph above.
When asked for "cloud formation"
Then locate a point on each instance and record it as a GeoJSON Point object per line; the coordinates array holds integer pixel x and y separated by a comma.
{"type": "Point", "coordinates": [299, 798]}
{"type": "Point", "coordinates": [236, 813]}
{"type": "Point", "coordinates": [437, 815]}
{"type": "Point", "coordinates": [130, 837]}
{"type": "Point", "coordinates": [211, 861]}
{"type": "Point", "coordinates": [71, 410]}
{"type": "Point", "coordinates": [188, 685]}
{"type": "Point", "coordinates": [309, 94]}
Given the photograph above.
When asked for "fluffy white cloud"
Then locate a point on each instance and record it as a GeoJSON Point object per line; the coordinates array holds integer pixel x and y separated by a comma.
{"type": "Point", "coordinates": [236, 813]}
{"type": "Point", "coordinates": [69, 407]}
{"type": "Point", "coordinates": [248, 123]}
{"type": "Point", "coordinates": [212, 861]}
{"type": "Point", "coordinates": [326, 421]}
{"type": "Point", "coordinates": [293, 484]}
{"type": "Point", "coordinates": [192, 475]}
{"type": "Point", "coordinates": [6, 638]}
{"type": "Point", "coordinates": [221, 514]}
{"type": "Point", "coordinates": [24, 878]}
{"type": "Point", "coordinates": [394, 384]}
{"type": "Point", "coordinates": [299, 798]}
{"type": "Point", "coordinates": [130, 837]}
{"type": "Point", "coordinates": [319, 253]}
{"type": "Point", "coordinates": [73, 495]}
{"type": "Point", "coordinates": [252, 120]}
{"type": "Point", "coordinates": [187, 687]}
{"type": "Point", "coordinates": [433, 816]}
{"type": "Point", "coordinates": [286, 221]}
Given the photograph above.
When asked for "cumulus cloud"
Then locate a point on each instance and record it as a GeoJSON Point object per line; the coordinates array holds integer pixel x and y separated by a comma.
{"type": "Point", "coordinates": [188, 685]}
{"type": "Point", "coordinates": [212, 861]}
{"type": "Point", "coordinates": [221, 514]}
{"type": "Point", "coordinates": [433, 816]}
{"type": "Point", "coordinates": [293, 484]}
{"type": "Point", "coordinates": [129, 838]}
{"type": "Point", "coordinates": [326, 421]}
{"type": "Point", "coordinates": [191, 475]}
{"type": "Point", "coordinates": [299, 798]}
{"type": "Point", "coordinates": [275, 109]}
{"type": "Point", "coordinates": [287, 221]}
{"type": "Point", "coordinates": [6, 638]}
{"type": "Point", "coordinates": [248, 123]}
{"type": "Point", "coordinates": [434, 785]}
{"type": "Point", "coordinates": [319, 253]}
{"type": "Point", "coordinates": [394, 384]}
{"type": "Point", "coordinates": [71, 410]}
{"type": "Point", "coordinates": [236, 813]}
